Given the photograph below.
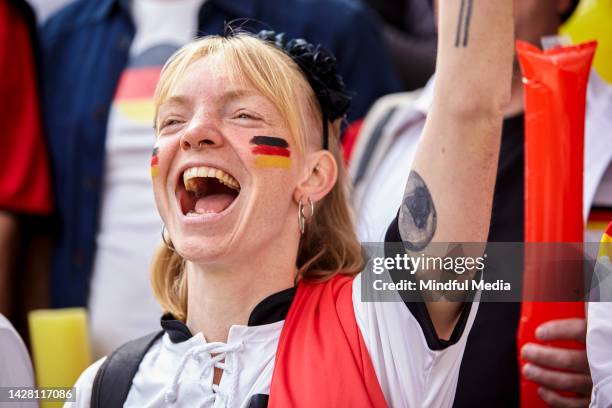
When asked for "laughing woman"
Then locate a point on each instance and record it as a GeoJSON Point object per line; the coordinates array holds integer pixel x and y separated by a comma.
{"type": "Point", "coordinates": [261, 261]}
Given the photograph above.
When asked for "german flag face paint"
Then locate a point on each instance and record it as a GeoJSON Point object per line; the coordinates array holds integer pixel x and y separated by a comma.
{"type": "Point", "coordinates": [271, 152]}
{"type": "Point", "coordinates": [154, 161]}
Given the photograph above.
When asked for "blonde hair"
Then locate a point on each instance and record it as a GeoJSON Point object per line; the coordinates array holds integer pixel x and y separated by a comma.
{"type": "Point", "coordinates": [329, 244]}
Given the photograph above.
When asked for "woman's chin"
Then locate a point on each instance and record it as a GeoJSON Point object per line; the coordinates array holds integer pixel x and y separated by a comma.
{"type": "Point", "coordinates": [200, 251]}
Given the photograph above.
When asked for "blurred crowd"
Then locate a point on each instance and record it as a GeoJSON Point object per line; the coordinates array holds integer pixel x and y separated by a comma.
{"type": "Point", "coordinates": [78, 224]}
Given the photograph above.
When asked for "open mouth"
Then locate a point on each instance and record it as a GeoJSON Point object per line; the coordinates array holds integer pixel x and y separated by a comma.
{"type": "Point", "coordinates": [207, 190]}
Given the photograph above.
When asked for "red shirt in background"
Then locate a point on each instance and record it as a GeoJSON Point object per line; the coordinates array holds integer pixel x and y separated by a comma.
{"type": "Point", "coordinates": [349, 138]}
{"type": "Point", "coordinates": [24, 167]}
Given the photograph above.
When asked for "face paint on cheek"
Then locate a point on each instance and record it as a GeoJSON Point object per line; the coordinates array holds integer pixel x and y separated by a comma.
{"type": "Point", "coordinates": [154, 161]}
{"type": "Point", "coordinates": [271, 151]}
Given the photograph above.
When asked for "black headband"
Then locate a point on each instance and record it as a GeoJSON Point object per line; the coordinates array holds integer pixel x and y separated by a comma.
{"type": "Point", "coordinates": [319, 66]}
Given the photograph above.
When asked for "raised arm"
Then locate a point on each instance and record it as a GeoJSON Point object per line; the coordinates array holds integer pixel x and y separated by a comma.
{"type": "Point", "coordinates": [449, 191]}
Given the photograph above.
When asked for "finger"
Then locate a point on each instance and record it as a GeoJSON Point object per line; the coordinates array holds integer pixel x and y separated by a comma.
{"type": "Point", "coordinates": [555, 400]}
{"type": "Point", "coordinates": [556, 357]}
{"type": "Point", "coordinates": [558, 380]}
{"type": "Point", "coordinates": [562, 329]}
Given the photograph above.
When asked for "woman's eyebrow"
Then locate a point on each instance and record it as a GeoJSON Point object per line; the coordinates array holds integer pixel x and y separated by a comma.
{"type": "Point", "coordinates": [234, 94]}
{"type": "Point", "coordinates": [175, 100]}
{"type": "Point", "coordinates": [227, 96]}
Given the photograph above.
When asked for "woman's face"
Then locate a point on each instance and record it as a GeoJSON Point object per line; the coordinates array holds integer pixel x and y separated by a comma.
{"type": "Point", "coordinates": [225, 167]}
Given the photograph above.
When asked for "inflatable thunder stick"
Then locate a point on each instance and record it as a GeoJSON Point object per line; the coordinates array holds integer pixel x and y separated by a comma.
{"type": "Point", "coordinates": [555, 84]}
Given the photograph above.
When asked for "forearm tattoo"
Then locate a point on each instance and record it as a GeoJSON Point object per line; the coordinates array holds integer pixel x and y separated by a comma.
{"type": "Point", "coordinates": [417, 216]}
{"type": "Point", "coordinates": [463, 23]}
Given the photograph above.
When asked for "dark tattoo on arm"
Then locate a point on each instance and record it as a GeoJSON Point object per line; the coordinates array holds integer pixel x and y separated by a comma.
{"type": "Point", "coordinates": [417, 216]}
{"type": "Point", "coordinates": [463, 23]}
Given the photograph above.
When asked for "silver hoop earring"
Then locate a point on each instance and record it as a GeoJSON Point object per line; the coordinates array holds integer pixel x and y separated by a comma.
{"type": "Point", "coordinates": [167, 242]}
{"type": "Point", "coordinates": [302, 217]}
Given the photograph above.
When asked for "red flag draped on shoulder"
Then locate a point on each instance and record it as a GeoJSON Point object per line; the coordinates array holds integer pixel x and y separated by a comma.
{"type": "Point", "coordinates": [322, 360]}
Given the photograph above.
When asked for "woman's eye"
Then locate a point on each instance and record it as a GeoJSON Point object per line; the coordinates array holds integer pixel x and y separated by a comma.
{"type": "Point", "coordinates": [170, 122]}
{"type": "Point", "coordinates": [245, 115]}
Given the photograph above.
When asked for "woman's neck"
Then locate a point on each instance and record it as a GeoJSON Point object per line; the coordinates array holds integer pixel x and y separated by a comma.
{"type": "Point", "coordinates": [221, 296]}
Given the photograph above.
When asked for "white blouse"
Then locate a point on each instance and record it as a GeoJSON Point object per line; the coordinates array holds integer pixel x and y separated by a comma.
{"type": "Point", "coordinates": [180, 374]}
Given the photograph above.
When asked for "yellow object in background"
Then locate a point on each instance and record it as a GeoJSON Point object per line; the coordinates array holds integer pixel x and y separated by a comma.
{"type": "Point", "coordinates": [60, 347]}
{"type": "Point", "coordinates": [592, 20]}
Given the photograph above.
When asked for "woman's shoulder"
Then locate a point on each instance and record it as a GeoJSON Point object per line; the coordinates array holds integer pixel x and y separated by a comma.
{"type": "Point", "coordinates": [337, 281]}
{"type": "Point", "coordinates": [334, 292]}
{"type": "Point", "coordinates": [84, 385]}
{"type": "Point", "coordinates": [120, 367]}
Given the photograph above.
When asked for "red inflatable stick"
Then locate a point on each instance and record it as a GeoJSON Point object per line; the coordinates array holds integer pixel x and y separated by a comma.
{"type": "Point", "coordinates": [555, 84]}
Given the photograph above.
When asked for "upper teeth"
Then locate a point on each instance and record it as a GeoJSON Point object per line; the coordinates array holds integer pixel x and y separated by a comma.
{"type": "Point", "coordinates": [203, 171]}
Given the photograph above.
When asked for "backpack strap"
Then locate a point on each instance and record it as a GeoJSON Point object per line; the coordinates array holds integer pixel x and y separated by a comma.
{"type": "Point", "coordinates": [114, 378]}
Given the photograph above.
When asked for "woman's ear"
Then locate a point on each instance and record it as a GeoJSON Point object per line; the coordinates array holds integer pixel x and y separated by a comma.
{"type": "Point", "coordinates": [320, 176]}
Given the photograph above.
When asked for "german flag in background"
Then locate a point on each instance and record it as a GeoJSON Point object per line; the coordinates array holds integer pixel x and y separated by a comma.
{"type": "Point", "coordinates": [134, 95]}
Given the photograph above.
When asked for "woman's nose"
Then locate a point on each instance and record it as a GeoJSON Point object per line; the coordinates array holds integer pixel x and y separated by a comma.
{"type": "Point", "coordinates": [200, 135]}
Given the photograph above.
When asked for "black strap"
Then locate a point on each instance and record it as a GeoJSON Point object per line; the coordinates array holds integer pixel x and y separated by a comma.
{"type": "Point", "coordinates": [114, 378]}
{"type": "Point", "coordinates": [259, 401]}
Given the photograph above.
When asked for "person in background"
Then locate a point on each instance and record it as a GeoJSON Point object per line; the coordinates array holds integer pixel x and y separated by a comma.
{"type": "Point", "coordinates": [25, 188]}
{"type": "Point", "coordinates": [389, 138]}
{"type": "Point", "coordinates": [15, 365]}
{"type": "Point", "coordinates": [409, 32]}
{"type": "Point", "coordinates": [599, 330]}
{"type": "Point", "coordinates": [101, 61]}
{"type": "Point", "coordinates": [45, 8]}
